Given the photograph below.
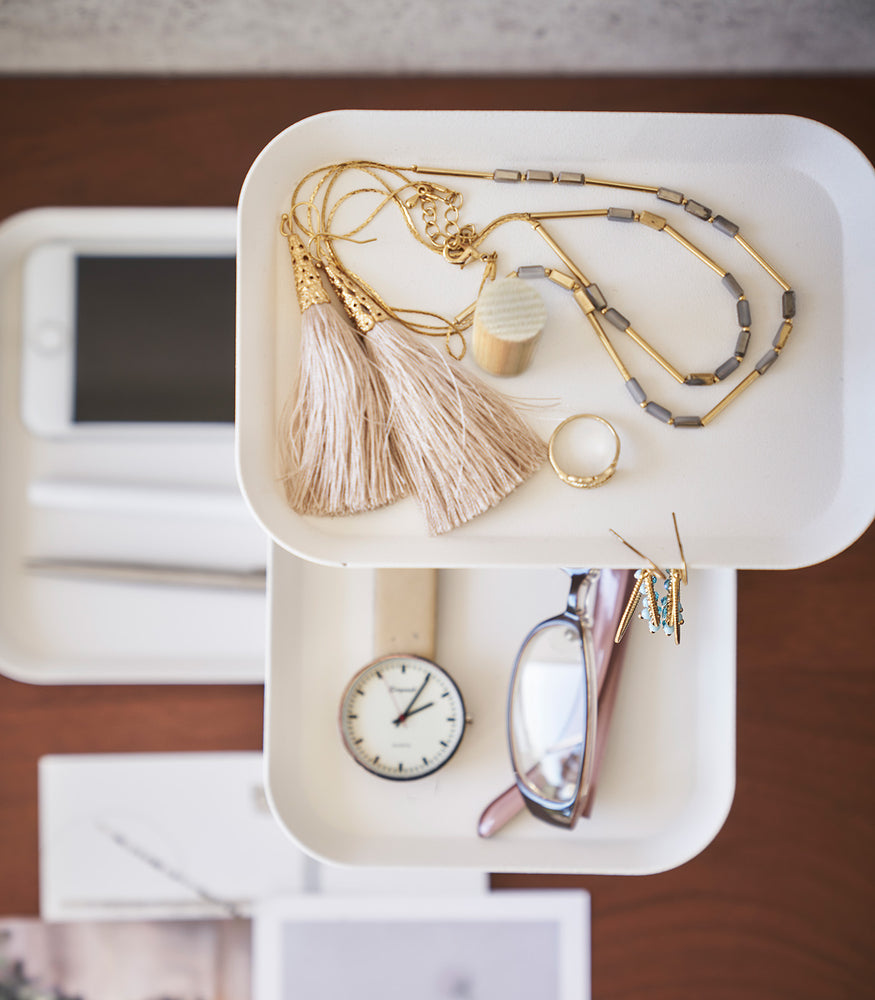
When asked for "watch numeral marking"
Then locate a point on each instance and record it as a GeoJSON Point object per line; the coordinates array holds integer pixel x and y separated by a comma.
{"type": "Point", "coordinates": [400, 767]}
{"type": "Point", "coordinates": [425, 760]}
{"type": "Point", "coordinates": [443, 743]}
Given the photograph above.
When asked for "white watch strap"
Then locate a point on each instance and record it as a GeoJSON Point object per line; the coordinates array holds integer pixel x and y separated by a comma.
{"type": "Point", "coordinates": [405, 611]}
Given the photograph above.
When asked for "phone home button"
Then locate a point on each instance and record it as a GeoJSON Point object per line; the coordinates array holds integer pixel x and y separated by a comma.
{"type": "Point", "coordinates": [49, 338]}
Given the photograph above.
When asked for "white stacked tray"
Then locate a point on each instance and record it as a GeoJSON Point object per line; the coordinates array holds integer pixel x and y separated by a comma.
{"type": "Point", "coordinates": [782, 478]}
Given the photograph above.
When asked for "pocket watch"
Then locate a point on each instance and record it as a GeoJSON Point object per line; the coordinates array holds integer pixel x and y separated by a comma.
{"type": "Point", "coordinates": [402, 716]}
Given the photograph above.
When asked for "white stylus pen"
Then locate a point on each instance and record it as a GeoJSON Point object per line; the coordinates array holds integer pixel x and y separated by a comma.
{"type": "Point", "coordinates": [98, 571]}
{"type": "Point", "coordinates": [99, 496]}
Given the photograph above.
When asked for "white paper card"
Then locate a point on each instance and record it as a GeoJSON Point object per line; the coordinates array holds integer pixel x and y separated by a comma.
{"type": "Point", "coordinates": [513, 945]}
{"type": "Point", "coordinates": [170, 835]}
{"type": "Point", "coordinates": [159, 835]}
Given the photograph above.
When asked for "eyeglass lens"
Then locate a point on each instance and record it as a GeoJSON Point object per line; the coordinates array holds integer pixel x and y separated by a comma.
{"type": "Point", "coordinates": [548, 712]}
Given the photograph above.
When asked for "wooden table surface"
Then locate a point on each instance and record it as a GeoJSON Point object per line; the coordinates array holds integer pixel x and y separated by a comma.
{"type": "Point", "coordinates": [779, 904]}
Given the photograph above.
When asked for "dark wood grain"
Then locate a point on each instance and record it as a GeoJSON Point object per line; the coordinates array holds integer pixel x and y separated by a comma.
{"type": "Point", "coordinates": [779, 905]}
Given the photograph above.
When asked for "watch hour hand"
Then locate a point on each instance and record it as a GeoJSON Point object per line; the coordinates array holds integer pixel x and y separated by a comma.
{"type": "Point", "coordinates": [406, 715]}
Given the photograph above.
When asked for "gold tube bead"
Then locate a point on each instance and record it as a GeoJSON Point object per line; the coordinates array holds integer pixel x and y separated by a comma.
{"type": "Point", "coordinates": [622, 185]}
{"type": "Point", "coordinates": [608, 346]}
{"type": "Point", "coordinates": [570, 213]}
{"type": "Point", "coordinates": [465, 314]}
{"type": "Point", "coordinates": [782, 336]}
{"type": "Point", "coordinates": [685, 243]}
{"type": "Point", "coordinates": [560, 253]}
{"type": "Point", "coordinates": [583, 300]}
{"type": "Point", "coordinates": [560, 278]}
{"type": "Point", "coordinates": [739, 239]}
{"type": "Point", "coordinates": [729, 397]}
{"type": "Point", "coordinates": [451, 172]}
{"type": "Point", "coordinates": [653, 221]}
{"type": "Point", "coordinates": [657, 357]}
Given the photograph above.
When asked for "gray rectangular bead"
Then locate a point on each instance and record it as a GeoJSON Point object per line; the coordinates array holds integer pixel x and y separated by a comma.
{"type": "Point", "coordinates": [742, 343]}
{"type": "Point", "coordinates": [507, 176]}
{"type": "Point", "coordinates": [531, 271]}
{"type": "Point", "coordinates": [743, 310]}
{"type": "Point", "coordinates": [695, 208]}
{"type": "Point", "coordinates": [727, 368]}
{"type": "Point", "coordinates": [660, 412]}
{"type": "Point", "coordinates": [621, 214]}
{"type": "Point", "coordinates": [788, 303]}
{"type": "Point", "coordinates": [617, 319]}
{"type": "Point", "coordinates": [594, 294]}
{"type": "Point", "coordinates": [570, 177]}
{"type": "Point", "coordinates": [723, 225]}
{"type": "Point", "coordinates": [545, 176]}
{"type": "Point", "coordinates": [733, 285]}
{"type": "Point", "coordinates": [695, 380]}
{"type": "Point", "coordinates": [766, 361]}
{"type": "Point", "coordinates": [635, 391]}
{"type": "Point", "coordinates": [687, 421]}
{"type": "Point", "coordinates": [666, 194]}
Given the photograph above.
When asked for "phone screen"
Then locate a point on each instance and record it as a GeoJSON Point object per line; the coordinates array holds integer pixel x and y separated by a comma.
{"type": "Point", "coordinates": [154, 339]}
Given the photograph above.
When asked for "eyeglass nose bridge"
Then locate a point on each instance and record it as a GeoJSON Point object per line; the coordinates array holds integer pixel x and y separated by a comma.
{"type": "Point", "coordinates": [581, 591]}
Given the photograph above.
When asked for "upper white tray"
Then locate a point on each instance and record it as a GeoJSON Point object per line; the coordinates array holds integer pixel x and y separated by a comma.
{"type": "Point", "coordinates": [781, 478]}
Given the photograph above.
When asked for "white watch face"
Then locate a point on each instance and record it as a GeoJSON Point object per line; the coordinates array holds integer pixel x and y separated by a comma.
{"type": "Point", "coordinates": [402, 717]}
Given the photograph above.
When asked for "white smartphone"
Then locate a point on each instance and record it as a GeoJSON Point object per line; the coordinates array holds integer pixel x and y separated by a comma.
{"type": "Point", "coordinates": [127, 336]}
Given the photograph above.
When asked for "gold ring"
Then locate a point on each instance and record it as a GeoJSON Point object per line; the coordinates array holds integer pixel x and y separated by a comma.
{"type": "Point", "coordinates": [585, 482]}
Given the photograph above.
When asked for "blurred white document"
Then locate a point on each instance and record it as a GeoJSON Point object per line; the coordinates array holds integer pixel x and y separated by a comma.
{"type": "Point", "coordinates": [179, 835]}
{"type": "Point", "coordinates": [513, 945]}
{"type": "Point", "coordinates": [140, 836]}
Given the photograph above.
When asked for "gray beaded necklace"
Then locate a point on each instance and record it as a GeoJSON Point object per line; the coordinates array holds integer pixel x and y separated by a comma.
{"type": "Point", "coordinates": [592, 302]}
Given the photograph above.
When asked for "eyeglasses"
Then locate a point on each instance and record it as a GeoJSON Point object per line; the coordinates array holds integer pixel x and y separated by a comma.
{"type": "Point", "coordinates": [552, 706]}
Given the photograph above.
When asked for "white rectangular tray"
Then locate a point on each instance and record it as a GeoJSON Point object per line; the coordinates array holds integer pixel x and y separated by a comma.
{"type": "Point", "coordinates": [101, 499]}
{"type": "Point", "coordinates": [668, 775]}
{"type": "Point", "coordinates": [781, 478]}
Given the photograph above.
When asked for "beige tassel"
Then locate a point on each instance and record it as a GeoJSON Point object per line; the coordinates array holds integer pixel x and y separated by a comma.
{"type": "Point", "coordinates": [335, 449]}
{"type": "Point", "coordinates": [461, 445]}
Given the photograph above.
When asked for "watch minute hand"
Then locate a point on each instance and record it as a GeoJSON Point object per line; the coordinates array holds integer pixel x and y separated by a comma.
{"type": "Point", "coordinates": [406, 711]}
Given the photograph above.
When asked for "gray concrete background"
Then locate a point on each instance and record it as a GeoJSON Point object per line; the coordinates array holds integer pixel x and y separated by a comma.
{"type": "Point", "coordinates": [391, 37]}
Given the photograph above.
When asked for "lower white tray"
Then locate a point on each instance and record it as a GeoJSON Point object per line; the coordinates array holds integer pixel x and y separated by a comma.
{"type": "Point", "coordinates": [668, 775]}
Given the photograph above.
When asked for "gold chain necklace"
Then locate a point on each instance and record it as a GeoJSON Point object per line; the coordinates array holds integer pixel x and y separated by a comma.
{"type": "Point", "coordinates": [438, 208]}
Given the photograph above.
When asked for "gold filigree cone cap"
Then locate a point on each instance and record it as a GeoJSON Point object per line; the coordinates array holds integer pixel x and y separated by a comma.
{"type": "Point", "coordinates": [308, 283]}
{"type": "Point", "coordinates": [361, 308]}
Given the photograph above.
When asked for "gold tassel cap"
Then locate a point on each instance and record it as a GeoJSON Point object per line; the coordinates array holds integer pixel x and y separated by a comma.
{"type": "Point", "coordinates": [308, 283]}
{"type": "Point", "coordinates": [361, 308]}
